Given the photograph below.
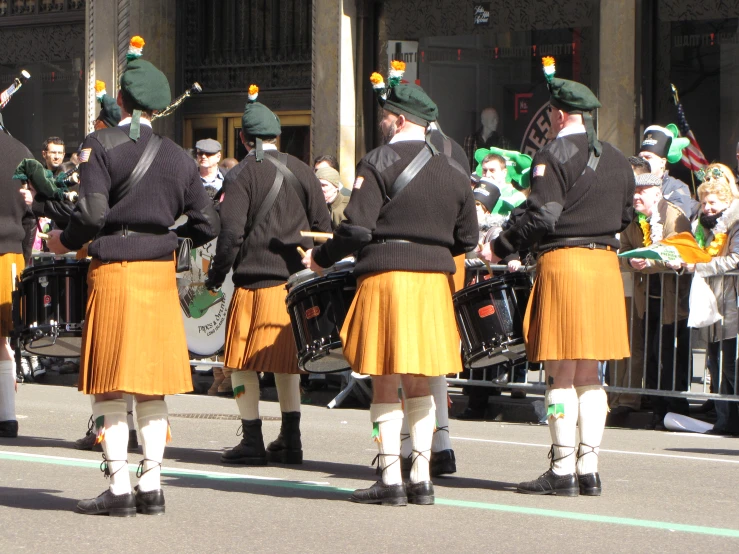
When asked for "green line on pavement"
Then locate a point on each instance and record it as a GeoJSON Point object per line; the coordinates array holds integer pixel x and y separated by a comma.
{"type": "Point", "coordinates": [297, 485]}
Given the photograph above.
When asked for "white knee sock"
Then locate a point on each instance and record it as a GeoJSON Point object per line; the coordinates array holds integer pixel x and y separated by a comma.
{"type": "Point", "coordinates": [592, 420]}
{"type": "Point", "coordinates": [387, 420]}
{"type": "Point", "coordinates": [110, 419]}
{"type": "Point", "coordinates": [406, 448]}
{"type": "Point", "coordinates": [129, 411]}
{"type": "Point", "coordinates": [421, 420]}
{"type": "Point", "coordinates": [153, 423]}
{"type": "Point", "coordinates": [246, 392]}
{"type": "Point", "coordinates": [438, 388]}
{"type": "Point", "coordinates": [288, 391]}
{"type": "Point", "coordinates": [562, 410]}
{"type": "Point", "coordinates": [7, 389]}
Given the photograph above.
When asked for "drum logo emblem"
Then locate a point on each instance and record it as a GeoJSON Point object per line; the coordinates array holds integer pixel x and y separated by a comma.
{"type": "Point", "coordinates": [486, 311]}
{"type": "Point", "coordinates": [43, 281]}
{"type": "Point", "coordinates": [310, 313]}
{"type": "Point", "coordinates": [47, 300]}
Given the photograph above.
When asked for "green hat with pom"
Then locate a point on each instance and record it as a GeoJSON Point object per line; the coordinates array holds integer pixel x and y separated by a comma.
{"type": "Point", "coordinates": [259, 121]}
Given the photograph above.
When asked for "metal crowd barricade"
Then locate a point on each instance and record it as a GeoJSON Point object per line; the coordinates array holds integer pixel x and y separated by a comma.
{"type": "Point", "coordinates": [612, 372]}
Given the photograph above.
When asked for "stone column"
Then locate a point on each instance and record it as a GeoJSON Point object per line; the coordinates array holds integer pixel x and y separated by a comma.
{"type": "Point", "coordinates": [333, 121]}
{"type": "Point", "coordinates": [109, 26]}
{"type": "Point", "coordinates": [617, 87]}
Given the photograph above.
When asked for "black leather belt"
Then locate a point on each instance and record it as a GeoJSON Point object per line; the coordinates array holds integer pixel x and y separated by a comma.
{"type": "Point", "coordinates": [543, 249]}
{"type": "Point", "coordinates": [383, 241]}
{"type": "Point", "coordinates": [141, 229]}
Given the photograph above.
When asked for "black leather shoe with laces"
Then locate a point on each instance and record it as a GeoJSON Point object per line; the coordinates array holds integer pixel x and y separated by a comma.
{"type": "Point", "coordinates": [107, 503]}
{"type": "Point", "coordinates": [420, 493]}
{"type": "Point", "coordinates": [380, 493]}
{"type": "Point", "coordinates": [149, 502]}
{"type": "Point", "coordinates": [443, 463]}
{"type": "Point", "coordinates": [589, 484]}
{"type": "Point", "coordinates": [9, 429]}
{"type": "Point", "coordinates": [551, 483]}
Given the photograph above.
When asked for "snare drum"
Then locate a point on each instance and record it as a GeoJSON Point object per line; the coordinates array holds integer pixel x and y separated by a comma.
{"type": "Point", "coordinates": [49, 307]}
{"type": "Point", "coordinates": [317, 306]}
{"type": "Point", "coordinates": [490, 319]}
{"type": "Point", "coordinates": [204, 313]}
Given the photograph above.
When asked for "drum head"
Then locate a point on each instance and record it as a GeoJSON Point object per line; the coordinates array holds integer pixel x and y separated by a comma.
{"type": "Point", "coordinates": [204, 313]}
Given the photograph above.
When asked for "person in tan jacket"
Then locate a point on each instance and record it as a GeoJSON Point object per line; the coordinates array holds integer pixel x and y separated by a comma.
{"type": "Point", "coordinates": [331, 186]}
{"type": "Point", "coordinates": [657, 289]}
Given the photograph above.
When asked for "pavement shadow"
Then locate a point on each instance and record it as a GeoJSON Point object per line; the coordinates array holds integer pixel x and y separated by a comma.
{"type": "Point", "coordinates": [37, 442]}
{"type": "Point", "coordinates": [716, 451]}
{"type": "Point", "coordinates": [193, 455]}
{"type": "Point", "coordinates": [263, 487]}
{"type": "Point", "coordinates": [451, 482]}
{"type": "Point", "coordinates": [36, 499]}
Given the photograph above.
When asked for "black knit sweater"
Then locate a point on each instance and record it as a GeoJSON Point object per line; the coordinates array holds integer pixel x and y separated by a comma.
{"type": "Point", "coordinates": [171, 187]}
{"type": "Point", "coordinates": [17, 223]}
{"type": "Point", "coordinates": [268, 255]}
{"type": "Point", "coordinates": [570, 204]}
{"type": "Point", "coordinates": [435, 214]}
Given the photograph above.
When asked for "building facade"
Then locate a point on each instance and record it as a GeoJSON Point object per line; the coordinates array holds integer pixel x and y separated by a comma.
{"type": "Point", "coordinates": [312, 60]}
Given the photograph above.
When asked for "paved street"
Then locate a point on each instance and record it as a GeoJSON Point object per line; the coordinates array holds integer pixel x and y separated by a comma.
{"type": "Point", "coordinates": [663, 492]}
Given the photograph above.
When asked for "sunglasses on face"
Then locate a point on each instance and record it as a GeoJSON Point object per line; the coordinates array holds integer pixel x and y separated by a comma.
{"type": "Point", "coordinates": [208, 154]}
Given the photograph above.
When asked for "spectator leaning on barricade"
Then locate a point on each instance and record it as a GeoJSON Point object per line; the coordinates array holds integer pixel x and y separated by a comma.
{"type": "Point", "coordinates": [717, 232]}
{"type": "Point", "coordinates": [655, 219]}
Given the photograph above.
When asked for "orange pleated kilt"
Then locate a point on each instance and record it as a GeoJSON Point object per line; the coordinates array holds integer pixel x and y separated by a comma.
{"type": "Point", "coordinates": [577, 309]}
{"type": "Point", "coordinates": [133, 339]}
{"type": "Point", "coordinates": [259, 336]}
{"type": "Point", "coordinates": [402, 322]}
{"type": "Point", "coordinates": [6, 289]}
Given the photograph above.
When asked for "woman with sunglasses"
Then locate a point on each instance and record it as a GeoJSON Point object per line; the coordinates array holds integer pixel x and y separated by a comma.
{"type": "Point", "coordinates": [717, 232]}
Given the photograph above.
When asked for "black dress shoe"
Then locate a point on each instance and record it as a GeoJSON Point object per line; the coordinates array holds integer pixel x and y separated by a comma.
{"type": "Point", "coordinates": [551, 483]}
{"type": "Point", "coordinates": [443, 463]}
{"type": "Point", "coordinates": [150, 502]}
{"type": "Point", "coordinates": [9, 429]}
{"type": "Point", "coordinates": [121, 505]}
{"type": "Point", "coordinates": [589, 484]}
{"type": "Point", "coordinates": [380, 493]}
{"type": "Point", "coordinates": [420, 493]}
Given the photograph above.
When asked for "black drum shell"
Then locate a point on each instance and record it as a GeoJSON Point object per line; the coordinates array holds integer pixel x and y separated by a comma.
{"type": "Point", "coordinates": [490, 319]}
{"type": "Point", "coordinates": [317, 311]}
{"type": "Point", "coordinates": [57, 291]}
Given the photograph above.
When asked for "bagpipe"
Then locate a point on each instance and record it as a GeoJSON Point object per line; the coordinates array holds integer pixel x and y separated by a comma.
{"type": "Point", "coordinates": [194, 89]}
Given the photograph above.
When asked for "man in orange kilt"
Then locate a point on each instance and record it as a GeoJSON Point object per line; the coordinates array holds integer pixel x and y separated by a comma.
{"type": "Point", "coordinates": [133, 339]}
{"type": "Point", "coordinates": [267, 200]}
{"type": "Point", "coordinates": [410, 212]}
{"type": "Point", "coordinates": [581, 196]}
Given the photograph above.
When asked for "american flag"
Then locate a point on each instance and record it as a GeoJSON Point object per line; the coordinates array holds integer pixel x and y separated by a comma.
{"type": "Point", "coordinates": [693, 157]}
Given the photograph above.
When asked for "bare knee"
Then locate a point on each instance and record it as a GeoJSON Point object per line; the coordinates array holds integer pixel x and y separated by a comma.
{"type": "Point", "coordinates": [415, 386]}
{"type": "Point", "coordinates": [586, 373]}
{"type": "Point", "coordinates": [385, 389]}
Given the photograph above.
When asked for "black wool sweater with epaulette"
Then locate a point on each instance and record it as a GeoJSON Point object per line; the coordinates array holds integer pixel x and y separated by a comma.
{"type": "Point", "coordinates": [570, 204]}
{"type": "Point", "coordinates": [17, 223]}
{"type": "Point", "coordinates": [171, 187]}
{"type": "Point", "coordinates": [266, 254]}
{"type": "Point", "coordinates": [434, 215]}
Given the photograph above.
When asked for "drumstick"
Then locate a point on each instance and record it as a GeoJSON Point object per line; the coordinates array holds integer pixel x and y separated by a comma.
{"type": "Point", "coordinates": [42, 235]}
{"type": "Point", "coordinates": [302, 255]}
{"type": "Point", "coordinates": [316, 235]}
{"type": "Point", "coordinates": [487, 264]}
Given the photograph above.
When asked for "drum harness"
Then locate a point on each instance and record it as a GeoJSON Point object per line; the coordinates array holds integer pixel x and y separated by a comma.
{"type": "Point", "coordinates": [413, 169]}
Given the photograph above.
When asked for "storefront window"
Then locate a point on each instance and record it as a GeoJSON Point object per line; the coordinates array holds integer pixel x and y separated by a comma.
{"type": "Point", "coordinates": [472, 56]}
{"type": "Point", "coordinates": [695, 47]}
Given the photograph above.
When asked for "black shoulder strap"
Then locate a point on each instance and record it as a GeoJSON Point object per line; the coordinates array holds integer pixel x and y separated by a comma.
{"type": "Point", "coordinates": [280, 162]}
{"type": "Point", "coordinates": [410, 171]}
{"type": "Point", "coordinates": [150, 152]}
{"type": "Point", "coordinates": [447, 147]}
{"type": "Point", "coordinates": [267, 203]}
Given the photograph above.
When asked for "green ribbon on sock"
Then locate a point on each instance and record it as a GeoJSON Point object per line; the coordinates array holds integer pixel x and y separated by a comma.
{"type": "Point", "coordinates": [556, 411]}
{"type": "Point", "coordinates": [239, 391]}
{"type": "Point", "coordinates": [376, 431]}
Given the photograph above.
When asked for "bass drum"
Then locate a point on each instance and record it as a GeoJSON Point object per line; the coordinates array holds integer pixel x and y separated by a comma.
{"type": "Point", "coordinates": [204, 313]}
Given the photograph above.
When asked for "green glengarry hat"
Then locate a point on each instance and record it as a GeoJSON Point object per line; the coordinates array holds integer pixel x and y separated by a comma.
{"type": "Point", "coordinates": [517, 164]}
{"type": "Point", "coordinates": [110, 112]}
{"type": "Point", "coordinates": [259, 121]}
{"type": "Point", "coordinates": [574, 98]}
{"type": "Point", "coordinates": [144, 84]}
{"type": "Point", "coordinates": [408, 100]}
